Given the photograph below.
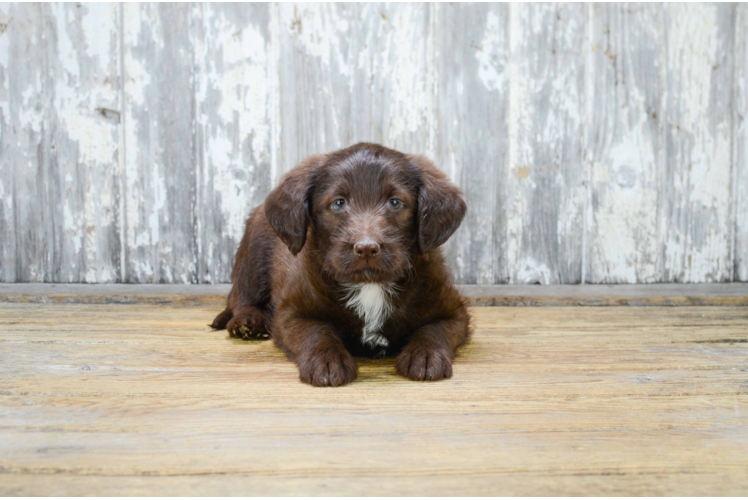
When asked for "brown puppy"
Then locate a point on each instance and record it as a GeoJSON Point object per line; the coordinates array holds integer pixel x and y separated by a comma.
{"type": "Point", "coordinates": [342, 259]}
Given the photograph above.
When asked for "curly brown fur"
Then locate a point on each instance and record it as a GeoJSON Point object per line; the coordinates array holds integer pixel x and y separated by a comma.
{"type": "Point", "coordinates": [330, 239]}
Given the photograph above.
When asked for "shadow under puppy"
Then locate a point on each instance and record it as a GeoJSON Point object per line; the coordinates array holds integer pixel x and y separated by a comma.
{"type": "Point", "coordinates": [343, 259]}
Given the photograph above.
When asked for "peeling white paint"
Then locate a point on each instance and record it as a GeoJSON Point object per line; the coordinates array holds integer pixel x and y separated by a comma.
{"type": "Point", "coordinates": [234, 96]}
{"type": "Point", "coordinates": [699, 146]}
{"type": "Point", "coordinates": [490, 54]}
{"type": "Point", "coordinates": [314, 23]}
{"type": "Point", "coordinates": [530, 271]}
{"type": "Point", "coordinates": [31, 117]}
{"type": "Point", "coordinates": [269, 84]}
{"type": "Point", "coordinates": [624, 244]}
{"type": "Point", "coordinates": [4, 57]}
{"type": "Point", "coordinates": [545, 195]}
{"type": "Point", "coordinates": [410, 99]}
{"type": "Point", "coordinates": [241, 86]}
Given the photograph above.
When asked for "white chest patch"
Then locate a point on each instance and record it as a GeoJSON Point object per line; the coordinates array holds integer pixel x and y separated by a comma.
{"type": "Point", "coordinates": [372, 303]}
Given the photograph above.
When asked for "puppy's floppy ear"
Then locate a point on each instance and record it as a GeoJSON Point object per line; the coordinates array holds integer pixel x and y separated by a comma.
{"type": "Point", "coordinates": [288, 206]}
{"type": "Point", "coordinates": [440, 205]}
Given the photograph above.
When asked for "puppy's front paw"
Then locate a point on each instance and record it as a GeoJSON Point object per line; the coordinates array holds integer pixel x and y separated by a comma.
{"type": "Point", "coordinates": [330, 367]}
{"type": "Point", "coordinates": [419, 361]}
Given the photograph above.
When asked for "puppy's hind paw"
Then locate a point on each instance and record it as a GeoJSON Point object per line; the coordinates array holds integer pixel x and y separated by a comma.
{"type": "Point", "coordinates": [249, 332]}
{"type": "Point", "coordinates": [249, 324]}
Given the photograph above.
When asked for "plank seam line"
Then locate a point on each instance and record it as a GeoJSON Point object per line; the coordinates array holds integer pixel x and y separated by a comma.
{"type": "Point", "coordinates": [433, 75]}
{"type": "Point", "coordinates": [734, 143]}
{"type": "Point", "coordinates": [662, 151]}
{"type": "Point", "coordinates": [195, 198]}
{"type": "Point", "coordinates": [586, 157]}
{"type": "Point", "coordinates": [121, 178]}
{"type": "Point", "coordinates": [275, 101]}
{"type": "Point", "coordinates": [511, 121]}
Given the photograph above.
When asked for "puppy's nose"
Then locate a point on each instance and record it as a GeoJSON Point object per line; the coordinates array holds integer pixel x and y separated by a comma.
{"type": "Point", "coordinates": [366, 248]}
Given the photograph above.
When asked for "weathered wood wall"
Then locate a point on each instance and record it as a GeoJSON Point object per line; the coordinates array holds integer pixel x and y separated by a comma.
{"type": "Point", "coordinates": [595, 143]}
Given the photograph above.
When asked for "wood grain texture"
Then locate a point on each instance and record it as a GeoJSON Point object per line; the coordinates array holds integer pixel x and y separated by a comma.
{"type": "Point", "coordinates": [160, 160]}
{"type": "Point", "coordinates": [354, 73]}
{"type": "Point", "coordinates": [544, 195]}
{"type": "Point", "coordinates": [61, 137]}
{"type": "Point", "coordinates": [84, 72]}
{"type": "Point", "coordinates": [234, 137]}
{"type": "Point", "coordinates": [594, 143]}
{"type": "Point", "coordinates": [696, 212]}
{"type": "Point", "coordinates": [22, 180]}
{"type": "Point", "coordinates": [124, 400]}
{"type": "Point", "coordinates": [625, 143]}
{"type": "Point", "coordinates": [473, 87]}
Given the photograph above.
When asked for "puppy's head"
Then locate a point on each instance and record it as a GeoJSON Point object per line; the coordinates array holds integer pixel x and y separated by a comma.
{"type": "Point", "coordinates": [369, 210]}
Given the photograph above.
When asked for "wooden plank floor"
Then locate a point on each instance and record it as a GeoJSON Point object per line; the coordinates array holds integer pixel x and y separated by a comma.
{"type": "Point", "coordinates": [145, 399]}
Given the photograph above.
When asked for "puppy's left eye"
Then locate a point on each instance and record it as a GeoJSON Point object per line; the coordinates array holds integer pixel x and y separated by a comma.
{"type": "Point", "coordinates": [395, 203]}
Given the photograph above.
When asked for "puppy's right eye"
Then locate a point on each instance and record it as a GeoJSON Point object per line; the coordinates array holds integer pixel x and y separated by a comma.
{"type": "Point", "coordinates": [338, 204]}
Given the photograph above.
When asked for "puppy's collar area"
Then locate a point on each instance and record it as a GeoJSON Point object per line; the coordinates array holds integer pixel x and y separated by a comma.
{"type": "Point", "coordinates": [372, 302]}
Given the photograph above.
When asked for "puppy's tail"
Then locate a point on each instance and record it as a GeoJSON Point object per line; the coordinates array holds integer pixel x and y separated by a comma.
{"type": "Point", "coordinates": [222, 319]}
